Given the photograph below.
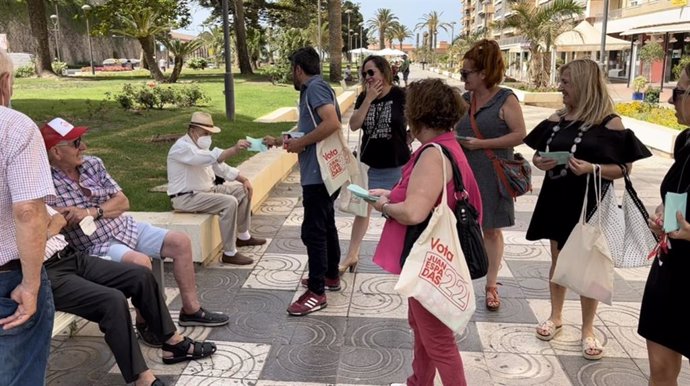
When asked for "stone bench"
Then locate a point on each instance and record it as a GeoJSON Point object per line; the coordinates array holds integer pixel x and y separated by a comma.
{"type": "Point", "coordinates": [64, 320]}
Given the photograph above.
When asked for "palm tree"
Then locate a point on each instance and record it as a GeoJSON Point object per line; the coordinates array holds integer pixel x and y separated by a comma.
{"type": "Point", "coordinates": [39, 33]}
{"type": "Point", "coordinates": [255, 45]}
{"type": "Point", "coordinates": [461, 45]}
{"type": "Point", "coordinates": [241, 38]}
{"type": "Point", "coordinates": [400, 33]}
{"type": "Point", "coordinates": [144, 26]}
{"type": "Point", "coordinates": [432, 22]}
{"type": "Point", "coordinates": [335, 39]}
{"type": "Point", "coordinates": [213, 40]}
{"type": "Point", "coordinates": [381, 22]}
{"type": "Point", "coordinates": [180, 50]}
{"type": "Point", "coordinates": [540, 26]}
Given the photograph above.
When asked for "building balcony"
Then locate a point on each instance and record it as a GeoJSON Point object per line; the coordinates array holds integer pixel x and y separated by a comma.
{"type": "Point", "coordinates": [637, 8]}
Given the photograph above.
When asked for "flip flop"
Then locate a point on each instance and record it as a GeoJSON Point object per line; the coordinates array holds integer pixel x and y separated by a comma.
{"type": "Point", "coordinates": [549, 327]}
{"type": "Point", "coordinates": [591, 343]}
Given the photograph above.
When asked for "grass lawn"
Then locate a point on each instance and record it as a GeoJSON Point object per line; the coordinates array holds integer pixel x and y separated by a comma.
{"type": "Point", "coordinates": [123, 139]}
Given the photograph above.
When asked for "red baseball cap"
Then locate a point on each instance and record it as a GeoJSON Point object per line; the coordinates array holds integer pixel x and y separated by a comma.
{"type": "Point", "coordinates": [59, 130]}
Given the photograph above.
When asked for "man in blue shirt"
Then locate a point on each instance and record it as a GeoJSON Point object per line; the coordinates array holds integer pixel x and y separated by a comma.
{"type": "Point", "coordinates": [318, 119]}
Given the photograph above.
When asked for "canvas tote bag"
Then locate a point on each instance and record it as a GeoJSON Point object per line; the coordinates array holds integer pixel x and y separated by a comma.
{"type": "Point", "coordinates": [336, 162]}
{"type": "Point", "coordinates": [584, 264]}
{"type": "Point", "coordinates": [435, 272]}
{"type": "Point", "coordinates": [348, 202]}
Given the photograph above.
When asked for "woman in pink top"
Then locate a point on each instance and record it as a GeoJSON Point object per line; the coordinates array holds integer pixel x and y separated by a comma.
{"type": "Point", "coordinates": [432, 110]}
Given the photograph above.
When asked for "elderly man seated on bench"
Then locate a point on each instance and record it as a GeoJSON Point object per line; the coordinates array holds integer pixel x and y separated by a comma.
{"type": "Point", "coordinates": [192, 169]}
{"type": "Point", "coordinates": [93, 205]}
{"type": "Point", "coordinates": [97, 290]}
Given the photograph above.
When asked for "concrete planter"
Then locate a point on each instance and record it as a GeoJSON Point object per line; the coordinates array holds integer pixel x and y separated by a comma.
{"type": "Point", "coordinates": [657, 137]}
{"type": "Point", "coordinates": [541, 99]}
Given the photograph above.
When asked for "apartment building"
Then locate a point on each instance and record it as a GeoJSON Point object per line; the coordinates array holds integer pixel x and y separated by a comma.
{"type": "Point", "coordinates": [637, 21]}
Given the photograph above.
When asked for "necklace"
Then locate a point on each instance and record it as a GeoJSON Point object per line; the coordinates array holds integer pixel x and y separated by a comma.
{"type": "Point", "coordinates": [578, 138]}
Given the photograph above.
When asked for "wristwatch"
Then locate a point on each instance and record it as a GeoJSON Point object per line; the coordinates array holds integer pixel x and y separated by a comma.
{"type": "Point", "coordinates": [383, 210]}
{"type": "Point", "coordinates": [99, 212]}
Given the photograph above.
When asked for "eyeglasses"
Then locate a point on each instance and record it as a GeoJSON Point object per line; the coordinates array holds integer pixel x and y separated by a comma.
{"type": "Point", "coordinates": [76, 143]}
{"type": "Point", "coordinates": [465, 73]}
{"type": "Point", "coordinates": [367, 72]}
{"type": "Point", "coordinates": [677, 94]}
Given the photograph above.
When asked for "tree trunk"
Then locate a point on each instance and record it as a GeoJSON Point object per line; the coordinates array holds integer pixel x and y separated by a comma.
{"type": "Point", "coordinates": [147, 45]}
{"type": "Point", "coordinates": [382, 39]}
{"type": "Point", "coordinates": [335, 39]}
{"type": "Point", "coordinates": [241, 39]}
{"type": "Point", "coordinates": [39, 33]}
{"type": "Point", "coordinates": [177, 69]}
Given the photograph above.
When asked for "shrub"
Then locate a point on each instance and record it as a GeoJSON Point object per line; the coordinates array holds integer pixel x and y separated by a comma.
{"type": "Point", "coordinates": [151, 95]}
{"type": "Point", "coordinates": [58, 67]}
{"type": "Point", "coordinates": [279, 73]}
{"type": "Point", "coordinates": [639, 83]}
{"type": "Point", "coordinates": [650, 113]}
{"type": "Point", "coordinates": [25, 71]}
{"type": "Point", "coordinates": [197, 63]}
{"type": "Point", "coordinates": [651, 95]}
{"type": "Point", "coordinates": [678, 68]}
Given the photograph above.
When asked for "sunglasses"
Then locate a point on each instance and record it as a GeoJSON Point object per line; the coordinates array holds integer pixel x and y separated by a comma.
{"type": "Point", "coordinates": [465, 73]}
{"type": "Point", "coordinates": [76, 143]}
{"type": "Point", "coordinates": [367, 72]}
{"type": "Point", "coordinates": [677, 94]}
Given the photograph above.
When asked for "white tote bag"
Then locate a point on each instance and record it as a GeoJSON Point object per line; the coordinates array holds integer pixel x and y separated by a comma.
{"type": "Point", "coordinates": [584, 264]}
{"type": "Point", "coordinates": [435, 272]}
{"type": "Point", "coordinates": [336, 163]}
{"type": "Point", "coordinates": [348, 202]}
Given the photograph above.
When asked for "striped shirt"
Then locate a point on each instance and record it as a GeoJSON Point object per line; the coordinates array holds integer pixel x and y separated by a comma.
{"type": "Point", "coordinates": [95, 179]}
{"type": "Point", "coordinates": [24, 174]}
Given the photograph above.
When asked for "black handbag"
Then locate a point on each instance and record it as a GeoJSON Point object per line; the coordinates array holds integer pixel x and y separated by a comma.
{"type": "Point", "coordinates": [469, 230]}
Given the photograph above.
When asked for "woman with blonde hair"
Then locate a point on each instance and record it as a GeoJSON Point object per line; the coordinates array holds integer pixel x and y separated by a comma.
{"type": "Point", "coordinates": [593, 134]}
{"type": "Point", "coordinates": [498, 126]}
{"type": "Point", "coordinates": [664, 328]}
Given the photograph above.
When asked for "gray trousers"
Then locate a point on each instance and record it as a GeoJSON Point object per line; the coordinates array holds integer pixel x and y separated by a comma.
{"type": "Point", "coordinates": [229, 201]}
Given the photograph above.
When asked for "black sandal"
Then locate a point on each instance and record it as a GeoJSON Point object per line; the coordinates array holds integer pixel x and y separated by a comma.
{"type": "Point", "coordinates": [181, 352]}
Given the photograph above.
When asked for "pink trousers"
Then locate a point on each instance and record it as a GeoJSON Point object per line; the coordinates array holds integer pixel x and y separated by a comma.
{"type": "Point", "coordinates": [434, 348]}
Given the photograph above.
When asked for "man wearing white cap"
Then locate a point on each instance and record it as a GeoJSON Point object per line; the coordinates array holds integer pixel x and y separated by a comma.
{"type": "Point", "coordinates": [93, 205]}
{"type": "Point", "coordinates": [26, 302]}
{"type": "Point", "coordinates": [192, 169]}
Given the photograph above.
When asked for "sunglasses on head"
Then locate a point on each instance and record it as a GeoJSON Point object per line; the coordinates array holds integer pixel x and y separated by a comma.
{"type": "Point", "coordinates": [677, 94]}
{"type": "Point", "coordinates": [465, 73]}
{"type": "Point", "coordinates": [367, 72]}
{"type": "Point", "coordinates": [76, 143]}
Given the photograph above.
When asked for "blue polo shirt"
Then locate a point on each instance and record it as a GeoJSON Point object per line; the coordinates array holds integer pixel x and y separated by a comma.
{"type": "Point", "coordinates": [315, 93]}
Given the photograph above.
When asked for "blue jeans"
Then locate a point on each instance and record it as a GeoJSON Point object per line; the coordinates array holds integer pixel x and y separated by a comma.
{"type": "Point", "coordinates": [320, 235]}
{"type": "Point", "coordinates": [24, 349]}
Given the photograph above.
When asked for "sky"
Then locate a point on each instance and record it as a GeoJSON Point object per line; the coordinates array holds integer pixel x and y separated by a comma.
{"type": "Point", "coordinates": [409, 13]}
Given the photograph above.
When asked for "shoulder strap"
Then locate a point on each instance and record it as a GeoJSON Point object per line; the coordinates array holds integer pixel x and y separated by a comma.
{"type": "Point", "coordinates": [457, 176]}
{"type": "Point", "coordinates": [335, 102]}
{"type": "Point", "coordinates": [473, 123]}
{"type": "Point", "coordinates": [608, 119]}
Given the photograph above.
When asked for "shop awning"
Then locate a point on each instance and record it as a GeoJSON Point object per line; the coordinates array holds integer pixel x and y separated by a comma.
{"type": "Point", "coordinates": [656, 29]}
{"type": "Point", "coordinates": [584, 38]}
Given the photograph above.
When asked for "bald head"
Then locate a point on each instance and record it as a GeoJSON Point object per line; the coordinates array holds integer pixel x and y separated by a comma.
{"type": "Point", "coordinates": [6, 71]}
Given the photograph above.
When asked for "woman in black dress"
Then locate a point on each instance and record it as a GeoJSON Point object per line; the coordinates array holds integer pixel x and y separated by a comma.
{"type": "Point", "coordinates": [588, 129]}
{"type": "Point", "coordinates": [661, 323]}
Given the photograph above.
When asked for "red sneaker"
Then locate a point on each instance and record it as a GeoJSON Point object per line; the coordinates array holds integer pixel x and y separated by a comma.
{"type": "Point", "coordinates": [329, 284]}
{"type": "Point", "coordinates": [307, 303]}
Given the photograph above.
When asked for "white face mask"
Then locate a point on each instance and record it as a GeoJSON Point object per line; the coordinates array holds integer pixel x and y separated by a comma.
{"type": "Point", "coordinates": [204, 142]}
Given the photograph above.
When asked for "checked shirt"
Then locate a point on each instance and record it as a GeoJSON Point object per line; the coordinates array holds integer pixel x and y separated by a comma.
{"type": "Point", "coordinates": [95, 179]}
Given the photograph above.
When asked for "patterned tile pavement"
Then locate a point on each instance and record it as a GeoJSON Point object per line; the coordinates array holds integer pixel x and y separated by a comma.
{"type": "Point", "coordinates": [362, 337]}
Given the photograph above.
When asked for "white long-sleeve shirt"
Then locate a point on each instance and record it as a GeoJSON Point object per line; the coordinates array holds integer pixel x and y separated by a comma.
{"type": "Point", "coordinates": [191, 169]}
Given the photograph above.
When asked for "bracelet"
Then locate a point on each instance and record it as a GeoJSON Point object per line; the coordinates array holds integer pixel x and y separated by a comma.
{"type": "Point", "coordinates": [383, 210]}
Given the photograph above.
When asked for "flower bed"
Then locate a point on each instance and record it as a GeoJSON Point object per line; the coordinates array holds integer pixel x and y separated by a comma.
{"type": "Point", "coordinates": [649, 113]}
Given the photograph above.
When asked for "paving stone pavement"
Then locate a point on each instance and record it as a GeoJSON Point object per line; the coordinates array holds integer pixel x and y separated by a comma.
{"type": "Point", "coordinates": [362, 337]}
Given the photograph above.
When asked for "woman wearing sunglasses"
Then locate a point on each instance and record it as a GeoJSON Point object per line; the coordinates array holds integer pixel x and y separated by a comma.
{"type": "Point", "coordinates": [498, 127]}
{"type": "Point", "coordinates": [379, 113]}
{"type": "Point", "coordinates": [668, 338]}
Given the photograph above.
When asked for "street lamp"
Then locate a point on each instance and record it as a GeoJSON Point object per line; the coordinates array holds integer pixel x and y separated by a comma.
{"type": "Point", "coordinates": [54, 19]}
{"type": "Point", "coordinates": [452, 37]}
{"type": "Point", "coordinates": [229, 84]}
{"type": "Point", "coordinates": [360, 49]}
{"type": "Point", "coordinates": [318, 25]}
{"type": "Point", "coordinates": [349, 33]}
{"type": "Point", "coordinates": [86, 8]}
